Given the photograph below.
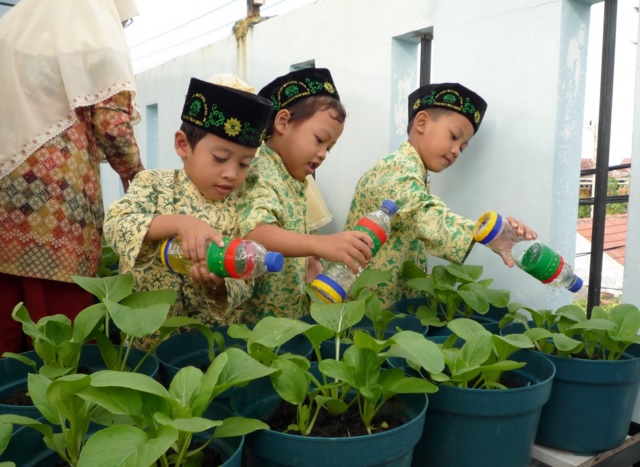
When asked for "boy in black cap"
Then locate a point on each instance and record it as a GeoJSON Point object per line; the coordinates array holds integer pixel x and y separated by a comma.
{"type": "Point", "coordinates": [442, 120]}
{"type": "Point", "coordinates": [221, 129]}
{"type": "Point", "coordinates": [307, 120]}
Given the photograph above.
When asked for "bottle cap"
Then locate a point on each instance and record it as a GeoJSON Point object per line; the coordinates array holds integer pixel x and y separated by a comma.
{"type": "Point", "coordinates": [327, 289]}
{"type": "Point", "coordinates": [487, 227]}
{"type": "Point", "coordinates": [577, 285]}
{"type": "Point", "coordinates": [390, 206]}
{"type": "Point", "coordinates": [273, 261]}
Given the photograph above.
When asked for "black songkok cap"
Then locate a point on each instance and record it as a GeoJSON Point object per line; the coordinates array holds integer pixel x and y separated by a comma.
{"type": "Point", "coordinates": [452, 96]}
{"type": "Point", "coordinates": [288, 89]}
{"type": "Point", "coordinates": [237, 116]}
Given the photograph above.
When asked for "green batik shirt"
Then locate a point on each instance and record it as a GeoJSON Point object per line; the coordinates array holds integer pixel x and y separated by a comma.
{"type": "Point", "coordinates": [423, 224]}
{"type": "Point", "coordinates": [270, 195]}
{"type": "Point", "coordinates": [157, 192]}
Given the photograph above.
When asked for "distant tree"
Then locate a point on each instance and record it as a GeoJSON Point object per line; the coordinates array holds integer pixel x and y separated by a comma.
{"type": "Point", "coordinates": [613, 189]}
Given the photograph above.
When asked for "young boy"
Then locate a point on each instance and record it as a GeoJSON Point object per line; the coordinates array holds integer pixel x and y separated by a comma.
{"type": "Point", "coordinates": [442, 120]}
{"type": "Point", "coordinates": [221, 129]}
{"type": "Point", "coordinates": [306, 123]}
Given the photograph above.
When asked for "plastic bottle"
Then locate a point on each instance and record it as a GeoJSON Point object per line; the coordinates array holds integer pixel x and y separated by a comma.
{"type": "Point", "coordinates": [238, 259]}
{"type": "Point", "coordinates": [336, 279]}
{"type": "Point", "coordinates": [532, 256]}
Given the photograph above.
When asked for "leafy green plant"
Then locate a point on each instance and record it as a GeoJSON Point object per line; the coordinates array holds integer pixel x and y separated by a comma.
{"type": "Point", "coordinates": [476, 358]}
{"type": "Point", "coordinates": [58, 342]}
{"type": "Point", "coordinates": [149, 423]}
{"type": "Point", "coordinates": [452, 291]}
{"type": "Point", "coordinates": [567, 331]}
{"type": "Point", "coordinates": [334, 385]}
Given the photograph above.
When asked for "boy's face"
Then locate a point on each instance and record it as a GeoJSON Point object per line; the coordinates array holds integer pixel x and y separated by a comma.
{"type": "Point", "coordinates": [304, 145]}
{"type": "Point", "coordinates": [440, 139]}
{"type": "Point", "coordinates": [216, 167]}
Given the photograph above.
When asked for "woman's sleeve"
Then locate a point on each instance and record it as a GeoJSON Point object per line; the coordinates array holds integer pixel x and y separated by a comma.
{"type": "Point", "coordinates": [113, 130]}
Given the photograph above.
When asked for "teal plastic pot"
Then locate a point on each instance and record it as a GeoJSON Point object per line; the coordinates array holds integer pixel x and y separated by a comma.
{"type": "Point", "coordinates": [484, 427]}
{"type": "Point", "coordinates": [13, 378]}
{"type": "Point", "coordinates": [591, 403]}
{"type": "Point", "coordinates": [267, 448]}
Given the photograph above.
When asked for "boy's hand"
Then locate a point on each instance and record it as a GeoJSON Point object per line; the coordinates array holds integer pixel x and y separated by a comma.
{"type": "Point", "coordinates": [351, 247]}
{"type": "Point", "coordinates": [200, 273]}
{"type": "Point", "coordinates": [195, 234]}
{"type": "Point", "coordinates": [314, 267]}
{"type": "Point", "coordinates": [522, 231]}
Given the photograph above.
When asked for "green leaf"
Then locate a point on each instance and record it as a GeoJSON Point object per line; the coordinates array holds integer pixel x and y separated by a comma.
{"type": "Point", "coordinates": [369, 278]}
{"type": "Point", "coordinates": [188, 425]}
{"type": "Point", "coordinates": [466, 272]}
{"type": "Point", "coordinates": [416, 348]}
{"type": "Point", "coordinates": [62, 393]}
{"type": "Point", "coordinates": [339, 370]}
{"type": "Point", "coordinates": [291, 382]}
{"type": "Point", "coordinates": [189, 387]}
{"type": "Point", "coordinates": [6, 430]}
{"type": "Point", "coordinates": [409, 270]}
{"type": "Point", "coordinates": [10, 419]}
{"type": "Point", "coordinates": [127, 446]}
{"type": "Point", "coordinates": [125, 379]}
{"type": "Point", "coordinates": [114, 288]}
{"type": "Point", "coordinates": [38, 386]}
{"type": "Point", "coordinates": [137, 322]}
{"type": "Point", "coordinates": [466, 328]}
{"type": "Point", "coordinates": [87, 321]}
{"type": "Point", "coordinates": [117, 400]}
{"type": "Point", "coordinates": [338, 316]}
{"type": "Point", "coordinates": [241, 368]}
{"type": "Point", "coordinates": [238, 426]}
{"type": "Point", "coordinates": [475, 351]}
{"type": "Point", "coordinates": [273, 332]}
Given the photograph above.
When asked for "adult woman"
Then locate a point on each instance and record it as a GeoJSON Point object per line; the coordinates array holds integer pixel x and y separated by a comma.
{"type": "Point", "coordinates": [67, 100]}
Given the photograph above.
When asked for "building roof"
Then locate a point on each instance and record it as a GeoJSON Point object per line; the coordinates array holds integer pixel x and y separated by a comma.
{"type": "Point", "coordinates": [615, 234]}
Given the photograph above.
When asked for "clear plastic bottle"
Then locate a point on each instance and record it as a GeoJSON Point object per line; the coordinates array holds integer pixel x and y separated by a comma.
{"type": "Point", "coordinates": [335, 281]}
{"type": "Point", "coordinates": [532, 256]}
{"type": "Point", "coordinates": [238, 259]}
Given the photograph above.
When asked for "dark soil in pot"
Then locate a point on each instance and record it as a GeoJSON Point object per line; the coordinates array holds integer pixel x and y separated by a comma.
{"type": "Point", "coordinates": [328, 426]}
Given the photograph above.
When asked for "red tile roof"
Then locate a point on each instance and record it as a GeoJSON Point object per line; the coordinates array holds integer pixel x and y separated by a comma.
{"type": "Point", "coordinates": [615, 234]}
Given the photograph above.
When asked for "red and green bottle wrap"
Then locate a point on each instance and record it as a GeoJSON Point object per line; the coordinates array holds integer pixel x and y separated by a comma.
{"type": "Point", "coordinates": [373, 230]}
{"type": "Point", "coordinates": [221, 261]}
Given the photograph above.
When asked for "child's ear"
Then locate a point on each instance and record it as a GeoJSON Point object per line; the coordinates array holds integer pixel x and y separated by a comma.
{"type": "Point", "coordinates": [181, 144]}
{"type": "Point", "coordinates": [281, 121]}
{"type": "Point", "coordinates": [420, 121]}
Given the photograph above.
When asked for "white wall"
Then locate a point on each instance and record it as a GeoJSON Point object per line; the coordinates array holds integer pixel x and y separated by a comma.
{"type": "Point", "coordinates": [526, 58]}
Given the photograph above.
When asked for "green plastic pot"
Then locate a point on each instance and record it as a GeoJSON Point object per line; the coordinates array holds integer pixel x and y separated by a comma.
{"type": "Point", "coordinates": [591, 403]}
{"type": "Point", "coordinates": [486, 427]}
{"type": "Point", "coordinates": [268, 448]}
